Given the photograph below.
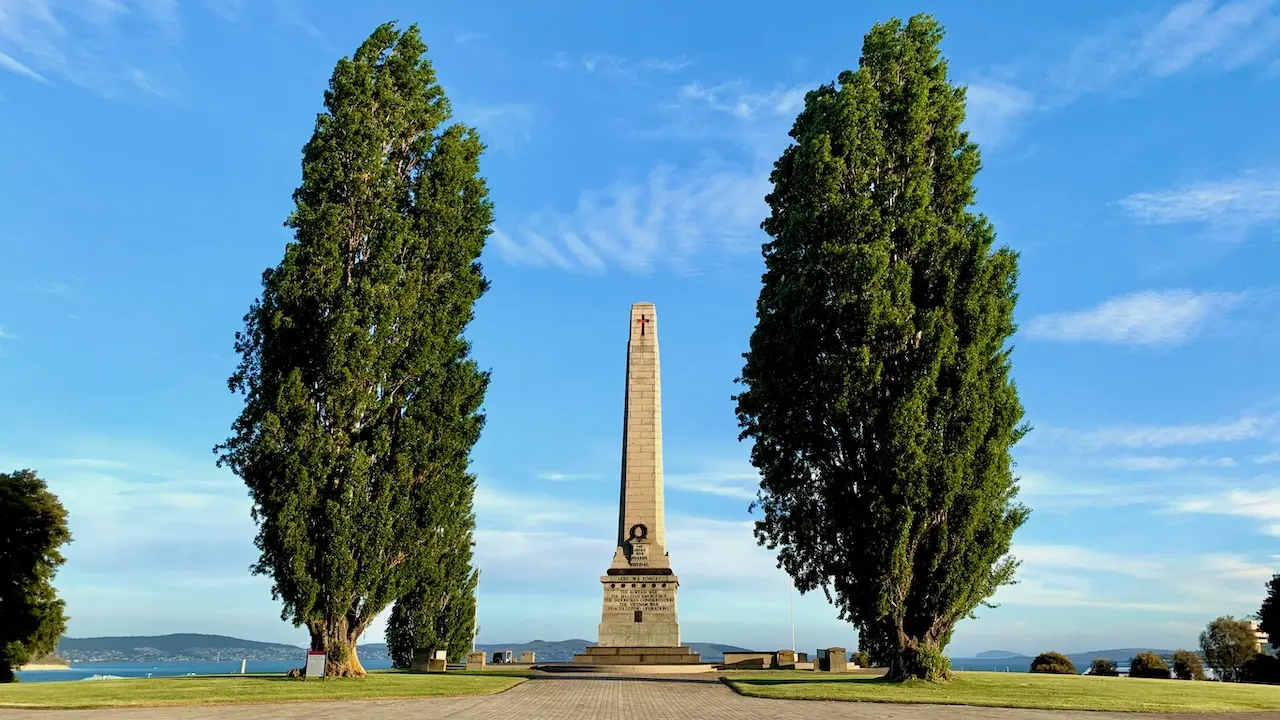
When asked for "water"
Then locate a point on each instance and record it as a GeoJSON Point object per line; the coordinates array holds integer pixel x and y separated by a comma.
{"type": "Point", "coordinates": [82, 670]}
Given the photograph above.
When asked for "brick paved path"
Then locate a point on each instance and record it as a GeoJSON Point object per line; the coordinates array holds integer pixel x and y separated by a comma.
{"type": "Point", "coordinates": [589, 697]}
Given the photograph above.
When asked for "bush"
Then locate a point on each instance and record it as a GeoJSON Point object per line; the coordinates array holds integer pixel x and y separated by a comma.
{"type": "Point", "coordinates": [1053, 662]}
{"type": "Point", "coordinates": [1261, 668]}
{"type": "Point", "coordinates": [1227, 645]}
{"type": "Point", "coordinates": [1104, 667]}
{"type": "Point", "coordinates": [862, 659]}
{"type": "Point", "coordinates": [1147, 664]}
{"type": "Point", "coordinates": [1187, 665]}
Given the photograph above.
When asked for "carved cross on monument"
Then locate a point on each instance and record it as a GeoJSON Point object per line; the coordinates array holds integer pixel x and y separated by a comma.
{"type": "Point", "coordinates": [644, 320]}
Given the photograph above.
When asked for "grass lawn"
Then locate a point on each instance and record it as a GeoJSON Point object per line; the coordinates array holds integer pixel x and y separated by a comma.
{"type": "Point", "coordinates": [247, 689]}
{"type": "Point", "coordinates": [1017, 690]}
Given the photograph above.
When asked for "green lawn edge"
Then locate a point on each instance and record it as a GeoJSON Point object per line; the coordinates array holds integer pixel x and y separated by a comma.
{"type": "Point", "coordinates": [107, 694]}
{"type": "Point", "coordinates": [1013, 690]}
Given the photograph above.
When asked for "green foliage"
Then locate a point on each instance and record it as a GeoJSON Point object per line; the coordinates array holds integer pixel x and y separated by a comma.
{"type": "Point", "coordinates": [1261, 668]}
{"type": "Point", "coordinates": [1269, 614]}
{"type": "Point", "coordinates": [1147, 664]}
{"type": "Point", "coordinates": [877, 385]}
{"type": "Point", "coordinates": [1187, 665]}
{"type": "Point", "coordinates": [33, 528]}
{"type": "Point", "coordinates": [438, 613]}
{"type": "Point", "coordinates": [1103, 667]}
{"type": "Point", "coordinates": [1054, 663]}
{"type": "Point", "coordinates": [862, 659]}
{"type": "Point", "coordinates": [362, 403]}
{"type": "Point", "coordinates": [1227, 644]}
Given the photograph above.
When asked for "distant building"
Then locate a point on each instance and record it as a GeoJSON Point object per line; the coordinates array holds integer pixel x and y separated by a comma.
{"type": "Point", "coordinates": [1259, 636]}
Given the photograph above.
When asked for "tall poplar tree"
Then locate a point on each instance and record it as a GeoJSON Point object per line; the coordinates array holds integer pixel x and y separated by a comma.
{"type": "Point", "coordinates": [362, 402]}
{"type": "Point", "coordinates": [33, 528]}
{"type": "Point", "coordinates": [439, 612]}
{"type": "Point", "coordinates": [877, 385]}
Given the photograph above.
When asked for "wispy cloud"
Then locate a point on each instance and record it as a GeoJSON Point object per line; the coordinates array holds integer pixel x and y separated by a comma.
{"type": "Point", "coordinates": [1231, 204]}
{"type": "Point", "coordinates": [1263, 506]}
{"type": "Point", "coordinates": [561, 477]}
{"type": "Point", "coordinates": [993, 109]}
{"type": "Point", "coordinates": [463, 38]}
{"type": "Point", "coordinates": [738, 480]}
{"type": "Point", "coordinates": [1163, 463]}
{"type": "Point", "coordinates": [1152, 317]}
{"type": "Point", "coordinates": [1193, 35]}
{"type": "Point", "coordinates": [95, 44]}
{"type": "Point", "coordinates": [670, 220]}
{"type": "Point", "coordinates": [1243, 428]}
{"type": "Point", "coordinates": [677, 218]}
{"type": "Point", "coordinates": [617, 66]}
{"type": "Point", "coordinates": [501, 126]}
{"type": "Point", "coordinates": [1267, 459]}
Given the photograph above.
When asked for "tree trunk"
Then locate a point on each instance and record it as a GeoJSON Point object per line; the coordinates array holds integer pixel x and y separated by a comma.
{"type": "Point", "coordinates": [918, 659]}
{"type": "Point", "coordinates": [6, 672]}
{"type": "Point", "coordinates": [338, 641]}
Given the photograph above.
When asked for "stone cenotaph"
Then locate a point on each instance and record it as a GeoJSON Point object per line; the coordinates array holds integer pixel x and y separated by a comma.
{"type": "Point", "coordinates": [638, 625]}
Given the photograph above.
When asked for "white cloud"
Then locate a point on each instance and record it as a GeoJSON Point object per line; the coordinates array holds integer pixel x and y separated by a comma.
{"type": "Point", "coordinates": [1263, 506]}
{"type": "Point", "coordinates": [674, 219]}
{"type": "Point", "coordinates": [1268, 458]}
{"type": "Point", "coordinates": [463, 38]}
{"type": "Point", "coordinates": [1151, 317]}
{"type": "Point", "coordinates": [6, 336]}
{"type": "Point", "coordinates": [501, 126]}
{"type": "Point", "coordinates": [1193, 35]}
{"type": "Point", "coordinates": [607, 64]}
{"type": "Point", "coordinates": [1077, 576]}
{"type": "Point", "coordinates": [737, 99]}
{"type": "Point", "coordinates": [560, 477]}
{"type": "Point", "coordinates": [1159, 463]}
{"type": "Point", "coordinates": [1240, 203]}
{"type": "Point", "coordinates": [95, 44]}
{"type": "Point", "coordinates": [993, 108]}
{"type": "Point", "coordinates": [738, 480]}
{"type": "Point", "coordinates": [1245, 427]}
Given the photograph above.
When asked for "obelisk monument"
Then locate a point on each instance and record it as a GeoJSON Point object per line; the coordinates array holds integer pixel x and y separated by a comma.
{"type": "Point", "coordinates": [638, 625]}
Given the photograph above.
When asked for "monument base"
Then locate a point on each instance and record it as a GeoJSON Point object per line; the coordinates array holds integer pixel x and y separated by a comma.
{"type": "Point", "coordinates": [637, 656]}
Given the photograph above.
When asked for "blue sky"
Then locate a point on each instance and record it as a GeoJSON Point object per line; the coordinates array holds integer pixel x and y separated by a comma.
{"type": "Point", "coordinates": [151, 147]}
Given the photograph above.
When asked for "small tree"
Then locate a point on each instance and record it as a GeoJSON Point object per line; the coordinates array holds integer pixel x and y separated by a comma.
{"type": "Point", "coordinates": [1147, 664]}
{"type": "Point", "coordinates": [33, 526]}
{"type": "Point", "coordinates": [1227, 644]}
{"type": "Point", "coordinates": [1269, 614]}
{"type": "Point", "coordinates": [1104, 667]}
{"type": "Point", "coordinates": [439, 612]}
{"type": "Point", "coordinates": [1187, 665]}
{"type": "Point", "coordinates": [1053, 662]}
{"type": "Point", "coordinates": [862, 659]}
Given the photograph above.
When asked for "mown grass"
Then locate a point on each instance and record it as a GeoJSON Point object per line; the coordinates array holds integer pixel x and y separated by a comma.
{"type": "Point", "coordinates": [250, 689]}
{"type": "Point", "coordinates": [1015, 690]}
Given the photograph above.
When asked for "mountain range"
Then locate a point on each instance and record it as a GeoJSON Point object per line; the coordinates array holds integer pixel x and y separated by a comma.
{"type": "Point", "coordinates": [185, 647]}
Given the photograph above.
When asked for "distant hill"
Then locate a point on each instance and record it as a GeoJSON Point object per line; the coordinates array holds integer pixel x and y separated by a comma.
{"type": "Point", "coordinates": [998, 655]}
{"type": "Point", "coordinates": [189, 646]}
{"type": "Point", "coordinates": [185, 647]}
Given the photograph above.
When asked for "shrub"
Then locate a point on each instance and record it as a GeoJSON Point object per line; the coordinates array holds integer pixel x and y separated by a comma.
{"type": "Point", "coordinates": [1261, 668]}
{"type": "Point", "coordinates": [1147, 664]}
{"type": "Point", "coordinates": [1053, 662]}
{"type": "Point", "coordinates": [1227, 645]}
{"type": "Point", "coordinates": [1104, 667]}
{"type": "Point", "coordinates": [1187, 665]}
{"type": "Point", "coordinates": [862, 659]}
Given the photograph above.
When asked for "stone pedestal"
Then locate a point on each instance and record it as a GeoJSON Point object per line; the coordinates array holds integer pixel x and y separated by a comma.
{"type": "Point", "coordinates": [476, 660]}
{"type": "Point", "coordinates": [527, 657]}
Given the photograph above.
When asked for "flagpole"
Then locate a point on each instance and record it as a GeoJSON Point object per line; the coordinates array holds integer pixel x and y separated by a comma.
{"type": "Point", "coordinates": [475, 622]}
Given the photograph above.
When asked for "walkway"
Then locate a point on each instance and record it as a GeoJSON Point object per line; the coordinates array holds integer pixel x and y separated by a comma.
{"type": "Point", "coordinates": [589, 697]}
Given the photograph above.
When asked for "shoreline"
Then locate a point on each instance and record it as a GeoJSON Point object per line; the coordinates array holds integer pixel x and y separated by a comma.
{"type": "Point", "coordinates": [42, 666]}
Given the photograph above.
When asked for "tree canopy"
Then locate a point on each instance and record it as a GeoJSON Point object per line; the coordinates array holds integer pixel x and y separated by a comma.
{"type": "Point", "coordinates": [877, 386]}
{"type": "Point", "coordinates": [1227, 645]}
{"type": "Point", "coordinates": [33, 528]}
{"type": "Point", "coordinates": [362, 402]}
{"type": "Point", "coordinates": [1269, 613]}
